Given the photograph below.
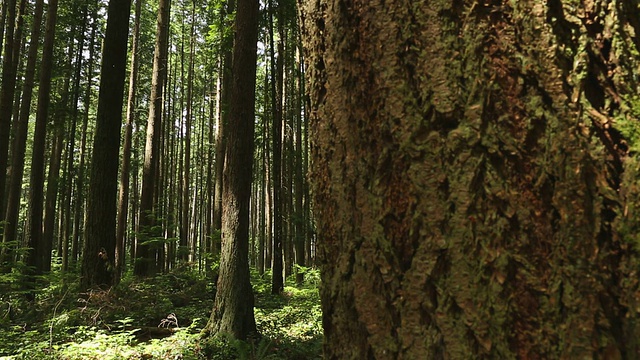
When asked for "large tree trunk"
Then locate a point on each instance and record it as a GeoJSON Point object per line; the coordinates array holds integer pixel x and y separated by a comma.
{"type": "Point", "coordinates": [224, 92]}
{"type": "Point", "coordinates": [233, 308]}
{"type": "Point", "coordinates": [474, 184]}
{"type": "Point", "coordinates": [99, 247]}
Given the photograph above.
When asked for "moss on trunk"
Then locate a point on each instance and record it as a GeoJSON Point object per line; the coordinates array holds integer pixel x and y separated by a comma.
{"type": "Point", "coordinates": [471, 164]}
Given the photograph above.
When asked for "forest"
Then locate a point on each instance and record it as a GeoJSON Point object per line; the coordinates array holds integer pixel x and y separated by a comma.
{"type": "Point", "coordinates": [319, 179]}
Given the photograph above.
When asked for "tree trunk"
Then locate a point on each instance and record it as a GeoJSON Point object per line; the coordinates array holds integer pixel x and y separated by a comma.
{"type": "Point", "coordinates": [475, 178]}
{"type": "Point", "coordinates": [277, 280]}
{"type": "Point", "coordinates": [299, 219]}
{"type": "Point", "coordinates": [35, 256]}
{"type": "Point", "coordinates": [80, 180]}
{"type": "Point", "coordinates": [53, 177]}
{"type": "Point", "coordinates": [67, 233]}
{"type": "Point", "coordinates": [145, 264]}
{"type": "Point", "coordinates": [233, 308]}
{"type": "Point", "coordinates": [99, 247]}
{"type": "Point", "coordinates": [224, 91]}
{"type": "Point", "coordinates": [185, 239]}
{"type": "Point", "coordinates": [123, 194]}
{"type": "Point", "coordinates": [21, 130]}
{"type": "Point", "coordinates": [7, 90]}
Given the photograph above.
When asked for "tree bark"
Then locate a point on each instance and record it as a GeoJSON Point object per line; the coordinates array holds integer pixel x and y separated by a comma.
{"type": "Point", "coordinates": [185, 235]}
{"type": "Point", "coordinates": [145, 264]}
{"type": "Point", "coordinates": [99, 247]}
{"type": "Point", "coordinates": [79, 214]}
{"type": "Point", "coordinates": [7, 90]}
{"type": "Point", "coordinates": [233, 308]}
{"type": "Point", "coordinates": [474, 177]}
{"type": "Point", "coordinates": [21, 128]}
{"type": "Point", "coordinates": [123, 193]}
{"type": "Point", "coordinates": [55, 162]}
{"type": "Point", "coordinates": [35, 257]}
{"type": "Point", "coordinates": [224, 91]}
{"type": "Point", "coordinates": [277, 65]}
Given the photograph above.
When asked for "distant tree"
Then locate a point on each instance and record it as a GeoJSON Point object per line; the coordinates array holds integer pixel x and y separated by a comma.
{"type": "Point", "coordinates": [60, 113]}
{"type": "Point", "coordinates": [21, 128]}
{"type": "Point", "coordinates": [146, 249]}
{"type": "Point", "coordinates": [277, 69]}
{"type": "Point", "coordinates": [123, 192]}
{"type": "Point", "coordinates": [98, 255]}
{"type": "Point", "coordinates": [78, 211]}
{"type": "Point", "coordinates": [475, 177]}
{"type": "Point", "coordinates": [7, 90]}
{"type": "Point", "coordinates": [233, 308]}
{"type": "Point", "coordinates": [36, 255]}
{"type": "Point", "coordinates": [185, 235]}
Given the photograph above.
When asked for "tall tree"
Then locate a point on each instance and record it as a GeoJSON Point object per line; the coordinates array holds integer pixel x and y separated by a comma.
{"type": "Point", "coordinates": [36, 255]}
{"type": "Point", "coordinates": [186, 182]}
{"type": "Point", "coordinates": [7, 90]}
{"type": "Point", "coordinates": [99, 247]}
{"type": "Point", "coordinates": [146, 249]}
{"type": "Point", "coordinates": [70, 169]}
{"type": "Point", "coordinates": [233, 308]}
{"type": "Point", "coordinates": [277, 70]}
{"type": "Point", "coordinates": [55, 159]}
{"type": "Point", "coordinates": [21, 129]}
{"type": "Point", "coordinates": [123, 194]}
{"type": "Point", "coordinates": [80, 178]}
{"type": "Point", "coordinates": [224, 91]}
{"type": "Point", "coordinates": [473, 178]}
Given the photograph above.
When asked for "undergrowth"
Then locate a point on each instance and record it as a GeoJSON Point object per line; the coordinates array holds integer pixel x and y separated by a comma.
{"type": "Point", "coordinates": [156, 318]}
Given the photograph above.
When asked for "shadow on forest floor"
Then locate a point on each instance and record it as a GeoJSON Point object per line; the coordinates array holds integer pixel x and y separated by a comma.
{"type": "Point", "coordinates": [158, 318]}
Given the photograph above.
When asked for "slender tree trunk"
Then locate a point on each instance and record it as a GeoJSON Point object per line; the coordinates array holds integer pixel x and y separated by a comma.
{"type": "Point", "coordinates": [233, 309]}
{"type": "Point", "coordinates": [7, 90]}
{"type": "Point", "coordinates": [185, 239]}
{"type": "Point", "coordinates": [67, 233]}
{"type": "Point", "coordinates": [99, 248]}
{"type": "Point", "coordinates": [277, 66]}
{"type": "Point", "coordinates": [209, 183]}
{"type": "Point", "coordinates": [36, 196]}
{"type": "Point", "coordinates": [55, 162]}
{"type": "Point", "coordinates": [299, 221]}
{"type": "Point", "coordinates": [123, 195]}
{"type": "Point", "coordinates": [146, 252]}
{"type": "Point", "coordinates": [79, 214]}
{"type": "Point", "coordinates": [21, 129]}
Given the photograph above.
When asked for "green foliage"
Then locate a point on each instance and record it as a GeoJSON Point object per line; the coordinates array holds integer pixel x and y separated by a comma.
{"type": "Point", "coordinates": [629, 126]}
{"type": "Point", "coordinates": [119, 323]}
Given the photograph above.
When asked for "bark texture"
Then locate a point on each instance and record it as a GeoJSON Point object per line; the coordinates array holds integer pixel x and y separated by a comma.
{"type": "Point", "coordinates": [474, 172]}
{"type": "Point", "coordinates": [146, 249]}
{"type": "Point", "coordinates": [98, 255]}
{"type": "Point", "coordinates": [233, 309]}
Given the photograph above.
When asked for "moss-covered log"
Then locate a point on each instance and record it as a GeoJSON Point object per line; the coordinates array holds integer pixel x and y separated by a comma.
{"type": "Point", "coordinates": [475, 177]}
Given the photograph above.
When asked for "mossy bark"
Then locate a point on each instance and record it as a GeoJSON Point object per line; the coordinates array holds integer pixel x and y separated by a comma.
{"type": "Point", "coordinates": [233, 308]}
{"type": "Point", "coordinates": [474, 177]}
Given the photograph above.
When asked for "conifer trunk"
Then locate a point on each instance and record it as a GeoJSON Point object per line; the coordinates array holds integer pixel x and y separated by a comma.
{"type": "Point", "coordinates": [475, 176]}
{"type": "Point", "coordinates": [233, 309]}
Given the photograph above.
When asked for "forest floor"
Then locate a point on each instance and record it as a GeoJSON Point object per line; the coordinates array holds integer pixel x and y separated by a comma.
{"type": "Point", "coordinates": [157, 318]}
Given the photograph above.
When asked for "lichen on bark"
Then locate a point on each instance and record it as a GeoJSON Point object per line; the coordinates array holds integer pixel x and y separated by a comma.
{"type": "Point", "coordinates": [474, 172]}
